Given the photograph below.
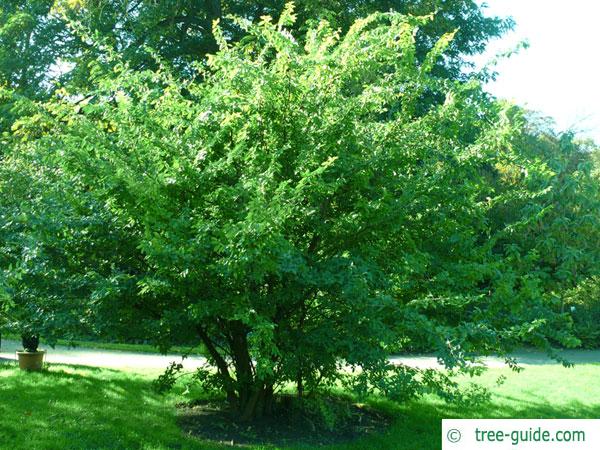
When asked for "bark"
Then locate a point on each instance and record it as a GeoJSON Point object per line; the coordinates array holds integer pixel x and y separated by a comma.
{"type": "Point", "coordinates": [255, 396]}
{"type": "Point", "coordinates": [300, 384]}
{"type": "Point", "coordinates": [259, 402]}
{"type": "Point", "coordinates": [300, 375]}
{"type": "Point", "coordinates": [250, 408]}
{"type": "Point", "coordinates": [242, 361]}
{"type": "Point", "coordinates": [252, 397]}
{"type": "Point", "coordinates": [269, 399]}
{"type": "Point", "coordinates": [222, 366]}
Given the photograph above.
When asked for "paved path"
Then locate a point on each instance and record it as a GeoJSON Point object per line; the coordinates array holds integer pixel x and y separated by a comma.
{"type": "Point", "coordinates": [149, 361]}
{"type": "Point", "coordinates": [112, 359]}
{"type": "Point", "coordinates": [524, 357]}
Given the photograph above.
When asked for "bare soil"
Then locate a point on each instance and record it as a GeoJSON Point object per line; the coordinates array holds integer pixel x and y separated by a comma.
{"type": "Point", "coordinates": [293, 422]}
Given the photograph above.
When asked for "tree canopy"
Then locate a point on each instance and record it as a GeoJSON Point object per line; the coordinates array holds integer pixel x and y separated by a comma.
{"type": "Point", "coordinates": [291, 205]}
{"type": "Point", "coordinates": [46, 42]}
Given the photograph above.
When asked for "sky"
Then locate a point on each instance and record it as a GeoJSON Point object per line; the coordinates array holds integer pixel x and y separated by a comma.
{"type": "Point", "coordinates": [559, 74]}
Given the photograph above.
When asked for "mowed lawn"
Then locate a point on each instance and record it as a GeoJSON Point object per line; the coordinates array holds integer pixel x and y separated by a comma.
{"type": "Point", "coordinates": [86, 408]}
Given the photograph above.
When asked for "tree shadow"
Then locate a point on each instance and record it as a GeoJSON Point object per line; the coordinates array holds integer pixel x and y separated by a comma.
{"type": "Point", "coordinates": [419, 424]}
{"type": "Point", "coordinates": [72, 407]}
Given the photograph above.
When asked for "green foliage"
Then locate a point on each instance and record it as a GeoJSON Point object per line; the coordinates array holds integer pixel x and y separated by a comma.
{"type": "Point", "coordinates": [296, 206]}
{"type": "Point", "coordinates": [583, 303]}
{"type": "Point", "coordinates": [54, 255]}
{"type": "Point", "coordinates": [168, 378]}
{"type": "Point", "coordinates": [323, 413]}
{"type": "Point", "coordinates": [45, 43]}
{"type": "Point", "coordinates": [31, 41]}
{"type": "Point", "coordinates": [180, 31]}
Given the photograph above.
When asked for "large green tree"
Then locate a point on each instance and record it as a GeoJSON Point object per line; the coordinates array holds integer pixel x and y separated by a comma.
{"type": "Point", "coordinates": [47, 44]}
{"type": "Point", "coordinates": [38, 37]}
{"type": "Point", "coordinates": [295, 210]}
{"type": "Point", "coordinates": [32, 43]}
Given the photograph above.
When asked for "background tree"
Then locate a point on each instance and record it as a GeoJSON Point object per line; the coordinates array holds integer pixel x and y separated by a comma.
{"type": "Point", "coordinates": [38, 38]}
{"type": "Point", "coordinates": [47, 44]}
{"type": "Point", "coordinates": [32, 41]}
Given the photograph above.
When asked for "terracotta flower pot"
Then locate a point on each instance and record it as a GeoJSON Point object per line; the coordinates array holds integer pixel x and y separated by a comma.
{"type": "Point", "coordinates": [33, 361]}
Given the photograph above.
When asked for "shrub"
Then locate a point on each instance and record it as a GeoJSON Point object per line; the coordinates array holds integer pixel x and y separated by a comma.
{"type": "Point", "coordinates": [30, 342]}
{"type": "Point", "coordinates": [583, 303]}
{"type": "Point", "coordinates": [302, 209]}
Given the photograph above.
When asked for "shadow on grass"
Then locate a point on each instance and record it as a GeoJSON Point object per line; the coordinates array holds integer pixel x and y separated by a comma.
{"type": "Point", "coordinates": [71, 407]}
{"type": "Point", "coordinates": [419, 423]}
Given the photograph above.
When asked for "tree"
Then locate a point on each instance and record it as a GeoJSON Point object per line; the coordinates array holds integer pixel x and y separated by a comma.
{"type": "Point", "coordinates": [290, 207]}
{"type": "Point", "coordinates": [47, 44]}
{"type": "Point", "coordinates": [558, 224]}
{"type": "Point", "coordinates": [63, 259]}
{"type": "Point", "coordinates": [31, 41]}
{"type": "Point", "coordinates": [181, 31]}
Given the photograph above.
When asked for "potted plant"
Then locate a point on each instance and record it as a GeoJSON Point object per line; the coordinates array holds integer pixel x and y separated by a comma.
{"type": "Point", "coordinates": [30, 358]}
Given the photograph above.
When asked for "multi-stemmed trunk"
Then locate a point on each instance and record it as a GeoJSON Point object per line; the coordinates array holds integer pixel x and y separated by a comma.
{"type": "Point", "coordinates": [251, 396]}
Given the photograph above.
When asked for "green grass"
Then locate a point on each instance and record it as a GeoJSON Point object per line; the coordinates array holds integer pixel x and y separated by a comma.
{"type": "Point", "coordinates": [85, 408]}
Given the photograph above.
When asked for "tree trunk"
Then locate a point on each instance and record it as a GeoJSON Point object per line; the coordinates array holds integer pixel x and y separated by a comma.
{"type": "Point", "coordinates": [244, 370]}
{"type": "Point", "coordinates": [252, 397]}
{"type": "Point", "coordinates": [269, 399]}
{"type": "Point", "coordinates": [300, 384]}
{"type": "Point", "coordinates": [259, 403]}
{"type": "Point", "coordinates": [222, 366]}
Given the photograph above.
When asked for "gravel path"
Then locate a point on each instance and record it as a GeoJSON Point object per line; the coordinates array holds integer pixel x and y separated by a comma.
{"type": "Point", "coordinates": [149, 361]}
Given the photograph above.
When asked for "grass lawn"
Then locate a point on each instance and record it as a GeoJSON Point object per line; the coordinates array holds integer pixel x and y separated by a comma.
{"type": "Point", "coordinates": [86, 408]}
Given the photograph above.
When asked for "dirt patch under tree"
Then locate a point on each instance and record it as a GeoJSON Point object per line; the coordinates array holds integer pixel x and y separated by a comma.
{"type": "Point", "coordinates": [309, 421]}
